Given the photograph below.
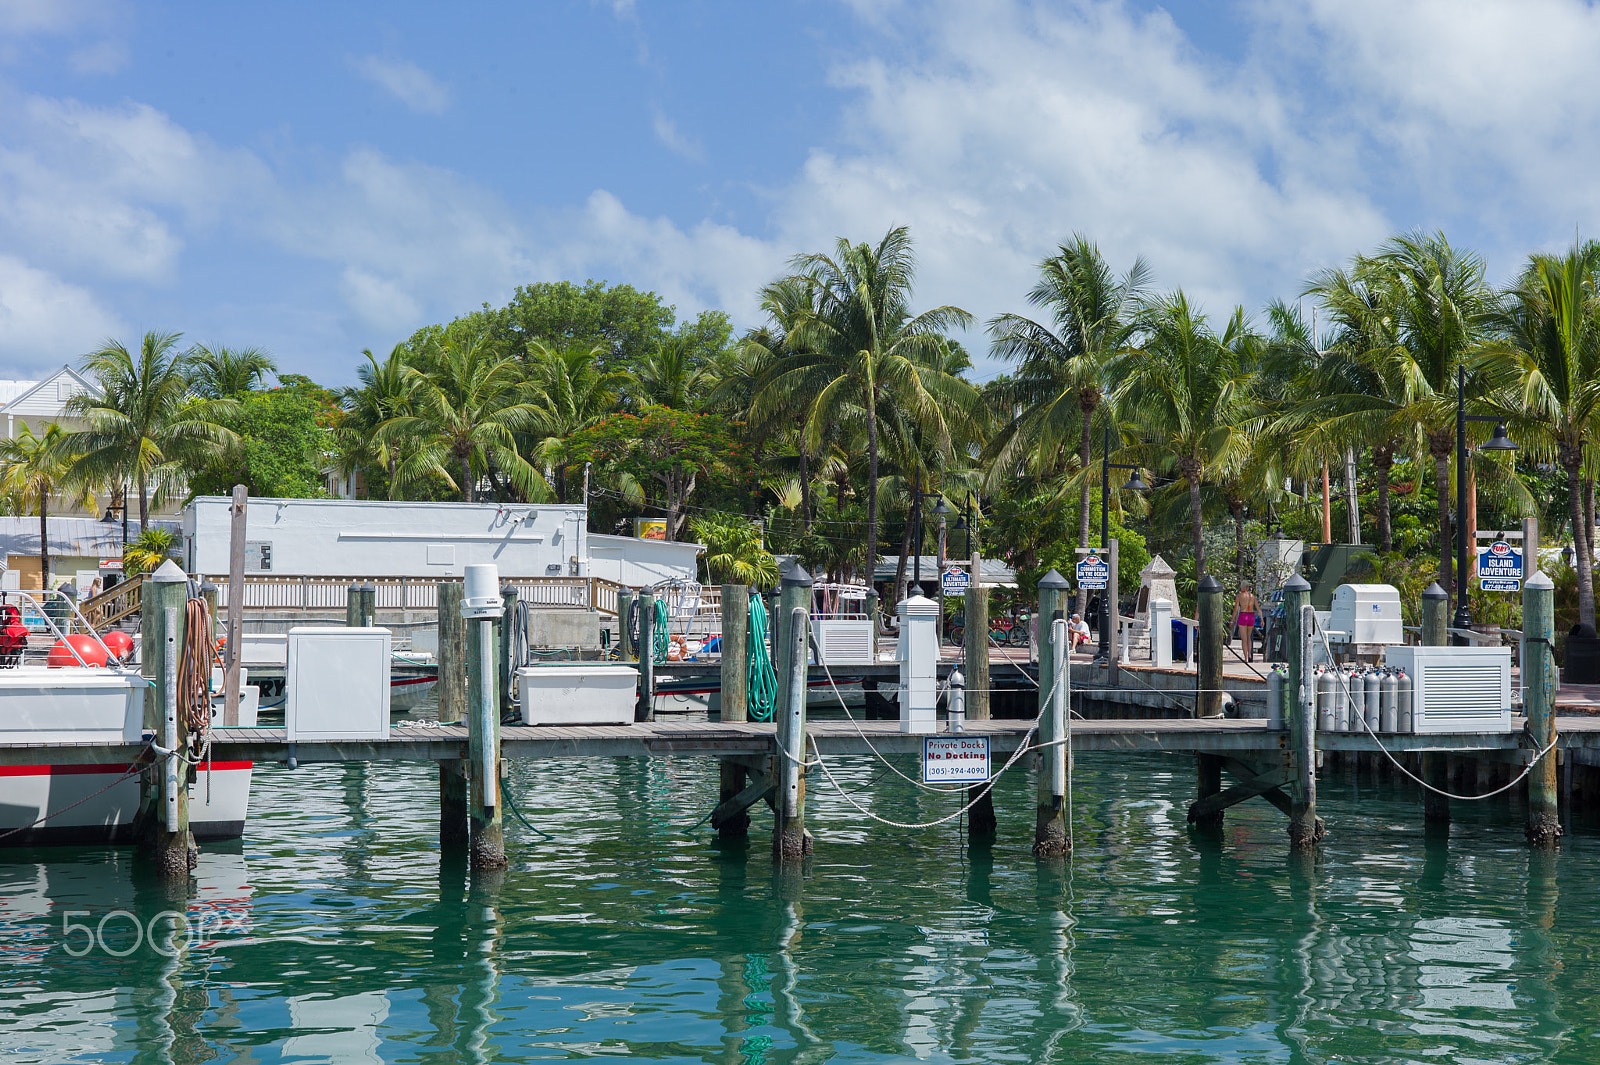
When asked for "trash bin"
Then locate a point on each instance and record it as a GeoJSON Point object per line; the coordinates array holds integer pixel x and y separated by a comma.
{"type": "Point", "coordinates": [1180, 640]}
{"type": "Point", "coordinates": [1582, 660]}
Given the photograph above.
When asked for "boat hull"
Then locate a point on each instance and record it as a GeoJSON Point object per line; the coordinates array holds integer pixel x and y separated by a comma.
{"type": "Point", "coordinates": [96, 804]}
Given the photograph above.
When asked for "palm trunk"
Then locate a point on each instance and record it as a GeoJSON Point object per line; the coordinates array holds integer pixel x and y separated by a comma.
{"type": "Point", "coordinates": [1083, 458]}
{"type": "Point", "coordinates": [144, 502]}
{"type": "Point", "coordinates": [1238, 544]}
{"type": "Point", "coordinates": [1327, 506]}
{"type": "Point", "coordinates": [1352, 496]}
{"type": "Point", "coordinates": [44, 543]}
{"type": "Point", "coordinates": [1199, 528]}
{"type": "Point", "coordinates": [466, 479]}
{"type": "Point", "coordinates": [1588, 510]}
{"type": "Point", "coordinates": [805, 493]}
{"type": "Point", "coordinates": [1581, 545]}
{"type": "Point", "coordinates": [1441, 487]}
{"type": "Point", "coordinates": [872, 481]}
{"type": "Point", "coordinates": [900, 567]}
{"type": "Point", "coordinates": [1382, 460]}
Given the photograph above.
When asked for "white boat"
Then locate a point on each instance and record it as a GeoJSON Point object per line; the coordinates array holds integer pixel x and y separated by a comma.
{"type": "Point", "coordinates": [81, 804]}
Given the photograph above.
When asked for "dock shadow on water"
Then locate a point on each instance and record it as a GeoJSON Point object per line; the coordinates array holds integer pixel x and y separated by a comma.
{"type": "Point", "coordinates": [335, 931]}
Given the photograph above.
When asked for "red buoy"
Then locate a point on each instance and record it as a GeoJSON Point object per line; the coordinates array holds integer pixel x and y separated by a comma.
{"type": "Point", "coordinates": [119, 643]}
{"type": "Point", "coordinates": [88, 648]}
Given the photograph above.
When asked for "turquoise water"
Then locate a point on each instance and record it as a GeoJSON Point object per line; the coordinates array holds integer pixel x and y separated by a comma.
{"type": "Point", "coordinates": [331, 933]}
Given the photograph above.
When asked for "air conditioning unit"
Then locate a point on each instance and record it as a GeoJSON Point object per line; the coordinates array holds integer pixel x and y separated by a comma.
{"type": "Point", "coordinates": [844, 641]}
{"type": "Point", "coordinates": [1456, 689]}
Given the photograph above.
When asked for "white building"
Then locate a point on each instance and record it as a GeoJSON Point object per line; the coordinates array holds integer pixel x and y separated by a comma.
{"type": "Point", "coordinates": [376, 538]}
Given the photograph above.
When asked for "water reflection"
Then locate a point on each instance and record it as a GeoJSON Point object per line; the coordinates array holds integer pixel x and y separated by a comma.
{"type": "Point", "coordinates": [336, 932]}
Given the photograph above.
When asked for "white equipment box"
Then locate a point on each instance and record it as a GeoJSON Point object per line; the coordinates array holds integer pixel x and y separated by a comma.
{"type": "Point", "coordinates": [337, 684]}
{"type": "Point", "coordinates": [1456, 689]}
{"type": "Point", "coordinates": [582, 693]}
{"type": "Point", "coordinates": [1366, 614]}
{"type": "Point", "coordinates": [844, 641]}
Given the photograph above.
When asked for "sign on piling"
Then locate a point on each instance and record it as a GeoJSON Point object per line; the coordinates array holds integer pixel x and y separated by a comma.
{"type": "Point", "coordinates": [1500, 568]}
{"type": "Point", "coordinates": [1093, 573]}
{"type": "Point", "coordinates": [954, 581]}
{"type": "Point", "coordinates": [955, 759]}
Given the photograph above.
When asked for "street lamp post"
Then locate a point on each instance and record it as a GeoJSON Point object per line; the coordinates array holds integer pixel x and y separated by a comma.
{"type": "Point", "coordinates": [1463, 615]}
{"type": "Point", "coordinates": [1135, 483]}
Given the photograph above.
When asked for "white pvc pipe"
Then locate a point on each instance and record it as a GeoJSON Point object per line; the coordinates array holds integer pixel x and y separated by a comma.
{"type": "Point", "coordinates": [1059, 643]}
{"type": "Point", "coordinates": [488, 714]}
{"type": "Point", "coordinates": [169, 731]}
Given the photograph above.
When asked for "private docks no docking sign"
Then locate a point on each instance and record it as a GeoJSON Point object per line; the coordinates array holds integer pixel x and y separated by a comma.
{"type": "Point", "coordinates": [955, 759]}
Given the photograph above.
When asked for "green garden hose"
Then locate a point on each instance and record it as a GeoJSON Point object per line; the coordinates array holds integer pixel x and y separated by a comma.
{"type": "Point", "coordinates": [762, 680]}
{"type": "Point", "coordinates": [658, 632]}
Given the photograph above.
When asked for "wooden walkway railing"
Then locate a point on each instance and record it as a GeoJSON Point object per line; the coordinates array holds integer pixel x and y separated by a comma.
{"type": "Point", "coordinates": [410, 593]}
{"type": "Point", "coordinates": [120, 601]}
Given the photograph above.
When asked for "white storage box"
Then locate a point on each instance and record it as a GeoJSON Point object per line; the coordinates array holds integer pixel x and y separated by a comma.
{"type": "Point", "coordinates": [336, 684]}
{"type": "Point", "coordinates": [582, 693]}
{"type": "Point", "coordinates": [1366, 614]}
{"type": "Point", "coordinates": [1456, 689]}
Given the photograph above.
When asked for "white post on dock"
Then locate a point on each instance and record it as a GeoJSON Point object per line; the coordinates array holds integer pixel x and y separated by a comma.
{"type": "Point", "coordinates": [236, 550]}
{"type": "Point", "coordinates": [169, 720]}
{"type": "Point", "coordinates": [1060, 694]}
{"type": "Point", "coordinates": [481, 607]}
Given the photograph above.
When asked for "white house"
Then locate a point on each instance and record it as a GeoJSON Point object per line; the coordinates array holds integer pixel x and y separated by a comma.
{"type": "Point", "coordinates": [38, 403]}
{"type": "Point", "coordinates": [376, 538]}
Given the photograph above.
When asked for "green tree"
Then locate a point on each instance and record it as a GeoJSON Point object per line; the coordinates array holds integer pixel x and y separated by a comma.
{"type": "Point", "coordinates": [467, 406]}
{"type": "Point", "coordinates": [144, 424]}
{"type": "Point", "coordinates": [1186, 393]}
{"type": "Point", "coordinates": [671, 448]}
{"type": "Point", "coordinates": [622, 322]}
{"type": "Point", "coordinates": [32, 469]}
{"type": "Point", "coordinates": [221, 373]}
{"type": "Point", "coordinates": [864, 349]}
{"type": "Point", "coordinates": [285, 445]}
{"type": "Point", "coordinates": [148, 551]}
{"type": "Point", "coordinates": [1062, 377]}
{"type": "Point", "coordinates": [734, 551]}
{"type": "Point", "coordinates": [1547, 372]}
{"type": "Point", "coordinates": [573, 394]}
{"type": "Point", "coordinates": [385, 392]}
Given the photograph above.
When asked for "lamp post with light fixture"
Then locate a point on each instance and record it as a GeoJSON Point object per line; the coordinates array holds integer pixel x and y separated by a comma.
{"type": "Point", "coordinates": [1136, 484]}
{"type": "Point", "coordinates": [1498, 442]}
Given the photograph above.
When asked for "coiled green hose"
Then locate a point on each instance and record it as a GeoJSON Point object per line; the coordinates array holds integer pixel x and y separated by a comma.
{"type": "Point", "coordinates": [658, 632]}
{"type": "Point", "coordinates": [761, 679]}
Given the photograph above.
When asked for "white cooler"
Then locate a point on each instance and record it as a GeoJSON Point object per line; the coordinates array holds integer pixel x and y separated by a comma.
{"type": "Point", "coordinates": [580, 693]}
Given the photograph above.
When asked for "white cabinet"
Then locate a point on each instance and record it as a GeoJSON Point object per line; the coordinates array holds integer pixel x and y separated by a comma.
{"type": "Point", "coordinates": [337, 684]}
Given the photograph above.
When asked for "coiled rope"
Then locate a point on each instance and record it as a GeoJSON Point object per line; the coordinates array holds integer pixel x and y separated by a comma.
{"type": "Point", "coordinates": [761, 679]}
{"type": "Point", "coordinates": [658, 632]}
{"type": "Point", "coordinates": [194, 680]}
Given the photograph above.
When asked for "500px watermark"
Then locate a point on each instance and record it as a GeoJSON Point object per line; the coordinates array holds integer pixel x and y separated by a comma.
{"type": "Point", "coordinates": [119, 933]}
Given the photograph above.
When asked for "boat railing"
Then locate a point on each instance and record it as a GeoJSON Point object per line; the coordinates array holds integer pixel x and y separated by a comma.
{"type": "Point", "coordinates": [36, 607]}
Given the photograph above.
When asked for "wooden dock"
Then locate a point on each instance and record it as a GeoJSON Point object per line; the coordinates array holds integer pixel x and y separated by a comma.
{"type": "Point", "coordinates": [440, 743]}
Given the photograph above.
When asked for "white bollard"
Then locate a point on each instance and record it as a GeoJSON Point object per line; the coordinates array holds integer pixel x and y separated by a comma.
{"type": "Point", "coordinates": [919, 665]}
{"type": "Point", "coordinates": [1161, 633]}
{"type": "Point", "coordinates": [957, 714]}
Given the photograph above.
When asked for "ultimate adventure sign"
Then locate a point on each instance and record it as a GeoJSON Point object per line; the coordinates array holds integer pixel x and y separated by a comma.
{"type": "Point", "coordinates": [957, 759]}
{"type": "Point", "coordinates": [1500, 568]}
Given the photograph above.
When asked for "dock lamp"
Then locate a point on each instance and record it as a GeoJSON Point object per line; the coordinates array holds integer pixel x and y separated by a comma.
{"type": "Point", "coordinates": [481, 602]}
{"type": "Point", "coordinates": [1136, 484]}
{"type": "Point", "coordinates": [1498, 442]}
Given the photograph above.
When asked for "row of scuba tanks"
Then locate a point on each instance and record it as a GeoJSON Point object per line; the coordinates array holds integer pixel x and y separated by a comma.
{"type": "Point", "coordinates": [1351, 699]}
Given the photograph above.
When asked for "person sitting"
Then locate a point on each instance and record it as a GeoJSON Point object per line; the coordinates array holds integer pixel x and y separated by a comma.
{"type": "Point", "coordinates": [1077, 631]}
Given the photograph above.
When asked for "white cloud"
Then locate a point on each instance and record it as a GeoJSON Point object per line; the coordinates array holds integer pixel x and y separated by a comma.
{"type": "Point", "coordinates": [45, 321]}
{"type": "Point", "coordinates": [675, 142]}
{"type": "Point", "coordinates": [19, 17]}
{"type": "Point", "coordinates": [406, 82]}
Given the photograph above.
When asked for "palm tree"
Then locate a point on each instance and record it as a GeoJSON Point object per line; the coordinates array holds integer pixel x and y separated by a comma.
{"type": "Point", "coordinates": [467, 407]}
{"type": "Point", "coordinates": [1441, 307]}
{"type": "Point", "coordinates": [1186, 392]}
{"type": "Point", "coordinates": [218, 372]}
{"type": "Point", "coordinates": [32, 469]}
{"type": "Point", "coordinates": [1548, 371]}
{"type": "Point", "coordinates": [144, 423]}
{"type": "Point", "coordinates": [1061, 381]}
{"type": "Point", "coordinates": [670, 377]}
{"type": "Point", "coordinates": [385, 393]}
{"type": "Point", "coordinates": [734, 551]}
{"type": "Point", "coordinates": [573, 392]}
{"type": "Point", "coordinates": [864, 348]}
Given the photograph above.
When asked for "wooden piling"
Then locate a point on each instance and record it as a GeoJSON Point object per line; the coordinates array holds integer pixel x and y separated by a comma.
{"type": "Point", "coordinates": [352, 607]}
{"type": "Point", "coordinates": [790, 840]}
{"type": "Point", "coordinates": [645, 709]}
{"type": "Point", "coordinates": [1435, 767]}
{"type": "Point", "coordinates": [1305, 827]}
{"type": "Point", "coordinates": [981, 821]}
{"type": "Point", "coordinates": [1051, 837]}
{"type": "Point", "coordinates": [874, 615]}
{"type": "Point", "coordinates": [624, 629]}
{"type": "Point", "coordinates": [735, 706]}
{"type": "Point", "coordinates": [451, 691]}
{"type": "Point", "coordinates": [1211, 636]}
{"type": "Point", "coordinates": [164, 835]}
{"type": "Point", "coordinates": [237, 543]}
{"type": "Point", "coordinates": [1538, 676]}
{"type": "Point", "coordinates": [486, 845]}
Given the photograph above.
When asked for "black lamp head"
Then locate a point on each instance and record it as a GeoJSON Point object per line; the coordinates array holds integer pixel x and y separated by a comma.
{"type": "Point", "coordinates": [1136, 483]}
{"type": "Point", "coordinates": [943, 508]}
{"type": "Point", "coordinates": [1499, 442]}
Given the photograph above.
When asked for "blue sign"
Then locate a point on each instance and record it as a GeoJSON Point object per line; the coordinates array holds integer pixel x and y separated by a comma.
{"type": "Point", "coordinates": [1500, 568]}
{"type": "Point", "coordinates": [954, 581]}
{"type": "Point", "coordinates": [1093, 573]}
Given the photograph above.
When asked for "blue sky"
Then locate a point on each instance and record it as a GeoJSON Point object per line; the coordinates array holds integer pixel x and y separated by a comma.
{"type": "Point", "coordinates": [317, 179]}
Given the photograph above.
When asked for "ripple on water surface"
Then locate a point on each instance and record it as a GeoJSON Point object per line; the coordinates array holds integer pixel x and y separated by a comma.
{"type": "Point", "coordinates": [331, 933]}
